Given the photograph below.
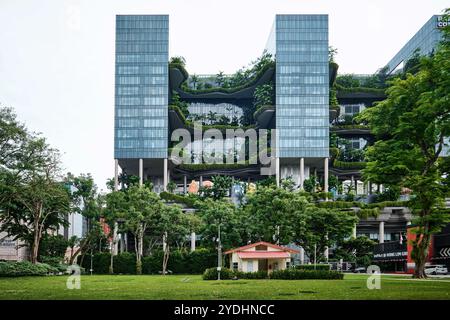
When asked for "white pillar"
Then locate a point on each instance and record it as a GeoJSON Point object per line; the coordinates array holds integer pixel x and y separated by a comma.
{"type": "Point", "coordinates": [354, 231]}
{"type": "Point", "coordinates": [141, 172]}
{"type": "Point", "coordinates": [381, 232]}
{"type": "Point", "coordinates": [325, 253]}
{"type": "Point", "coordinates": [201, 182]}
{"type": "Point", "coordinates": [302, 255]}
{"type": "Point", "coordinates": [193, 241]}
{"type": "Point", "coordinates": [277, 171]}
{"type": "Point", "coordinates": [325, 174]}
{"type": "Point", "coordinates": [185, 184]}
{"type": "Point", "coordinates": [302, 173]}
{"type": "Point", "coordinates": [165, 180]}
{"type": "Point", "coordinates": [116, 174]}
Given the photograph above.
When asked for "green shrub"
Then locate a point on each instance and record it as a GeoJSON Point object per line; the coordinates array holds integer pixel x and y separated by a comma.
{"type": "Point", "coordinates": [349, 165]}
{"type": "Point", "coordinates": [295, 274]}
{"type": "Point", "coordinates": [124, 263]}
{"type": "Point", "coordinates": [211, 274]}
{"type": "Point", "coordinates": [100, 262]}
{"type": "Point", "coordinates": [313, 267]}
{"type": "Point", "coordinates": [366, 213]}
{"type": "Point", "coordinates": [55, 262]}
{"type": "Point", "coordinates": [188, 200]}
{"type": "Point", "coordinates": [25, 268]}
{"type": "Point", "coordinates": [251, 275]}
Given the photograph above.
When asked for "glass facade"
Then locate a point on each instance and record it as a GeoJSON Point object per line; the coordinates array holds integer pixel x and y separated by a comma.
{"type": "Point", "coordinates": [426, 40]}
{"type": "Point", "coordinates": [302, 85]}
{"type": "Point", "coordinates": [141, 91]}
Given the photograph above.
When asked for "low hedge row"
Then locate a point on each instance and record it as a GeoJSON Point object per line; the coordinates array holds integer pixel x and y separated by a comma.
{"type": "Point", "coordinates": [349, 165]}
{"type": "Point", "coordinates": [187, 200]}
{"type": "Point", "coordinates": [25, 268]}
{"type": "Point", "coordinates": [287, 274]}
{"type": "Point", "coordinates": [313, 267]}
{"type": "Point", "coordinates": [294, 274]}
{"type": "Point", "coordinates": [179, 262]}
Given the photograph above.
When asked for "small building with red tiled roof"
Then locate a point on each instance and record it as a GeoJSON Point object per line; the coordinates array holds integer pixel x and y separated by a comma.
{"type": "Point", "coordinates": [260, 256]}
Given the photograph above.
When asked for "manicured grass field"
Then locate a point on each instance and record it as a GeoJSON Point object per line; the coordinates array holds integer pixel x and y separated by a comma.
{"type": "Point", "coordinates": [193, 287]}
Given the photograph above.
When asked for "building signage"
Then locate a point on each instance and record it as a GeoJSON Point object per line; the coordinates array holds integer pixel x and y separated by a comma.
{"type": "Point", "coordinates": [401, 254]}
{"type": "Point", "coordinates": [442, 22]}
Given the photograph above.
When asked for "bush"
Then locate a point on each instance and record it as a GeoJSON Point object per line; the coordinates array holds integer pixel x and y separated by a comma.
{"type": "Point", "coordinates": [251, 275]}
{"type": "Point", "coordinates": [124, 263]}
{"type": "Point", "coordinates": [295, 274]}
{"type": "Point", "coordinates": [25, 268]}
{"type": "Point", "coordinates": [211, 274]}
{"type": "Point", "coordinates": [55, 262]}
{"type": "Point", "coordinates": [180, 262]}
{"type": "Point", "coordinates": [313, 267]}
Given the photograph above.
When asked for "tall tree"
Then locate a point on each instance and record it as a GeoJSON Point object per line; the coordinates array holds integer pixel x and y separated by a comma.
{"type": "Point", "coordinates": [411, 125]}
{"type": "Point", "coordinates": [141, 209]}
{"type": "Point", "coordinates": [316, 229]}
{"type": "Point", "coordinates": [86, 202]}
{"type": "Point", "coordinates": [32, 200]}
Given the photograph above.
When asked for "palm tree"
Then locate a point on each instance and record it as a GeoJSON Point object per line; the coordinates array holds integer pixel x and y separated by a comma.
{"type": "Point", "coordinates": [194, 81]}
{"type": "Point", "coordinates": [220, 78]}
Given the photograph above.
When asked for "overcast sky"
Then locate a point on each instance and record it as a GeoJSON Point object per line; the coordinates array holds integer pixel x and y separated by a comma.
{"type": "Point", "coordinates": [57, 57]}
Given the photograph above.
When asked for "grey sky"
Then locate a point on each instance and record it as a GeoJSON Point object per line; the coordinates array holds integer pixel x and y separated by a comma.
{"type": "Point", "coordinates": [57, 57]}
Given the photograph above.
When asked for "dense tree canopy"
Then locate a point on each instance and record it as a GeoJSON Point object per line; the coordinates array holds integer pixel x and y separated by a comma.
{"type": "Point", "coordinates": [411, 126]}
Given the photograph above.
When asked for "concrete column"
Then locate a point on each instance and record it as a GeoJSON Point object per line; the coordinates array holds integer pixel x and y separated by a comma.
{"type": "Point", "coordinates": [141, 172]}
{"type": "Point", "coordinates": [352, 181]}
{"type": "Point", "coordinates": [201, 182]}
{"type": "Point", "coordinates": [325, 174]}
{"type": "Point", "coordinates": [185, 184]}
{"type": "Point", "coordinates": [277, 171]}
{"type": "Point", "coordinates": [116, 175]}
{"type": "Point", "coordinates": [165, 179]}
{"type": "Point", "coordinates": [381, 232]}
{"type": "Point", "coordinates": [302, 173]}
{"type": "Point", "coordinates": [325, 253]}
{"type": "Point", "coordinates": [193, 241]}
{"type": "Point", "coordinates": [302, 255]}
{"type": "Point", "coordinates": [354, 231]}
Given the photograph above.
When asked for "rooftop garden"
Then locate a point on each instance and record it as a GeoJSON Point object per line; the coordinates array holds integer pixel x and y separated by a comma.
{"type": "Point", "coordinates": [241, 79]}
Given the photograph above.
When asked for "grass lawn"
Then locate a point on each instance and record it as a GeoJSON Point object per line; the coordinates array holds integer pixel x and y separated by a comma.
{"type": "Point", "coordinates": [193, 287]}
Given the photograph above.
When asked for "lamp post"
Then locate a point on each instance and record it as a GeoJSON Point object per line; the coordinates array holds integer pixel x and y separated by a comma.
{"type": "Point", "coordinates": [219, 255]}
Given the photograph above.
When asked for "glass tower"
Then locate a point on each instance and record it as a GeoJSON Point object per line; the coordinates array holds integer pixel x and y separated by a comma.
{"type": "Point", "coordinates": [302, 85]}
{"type": "Point", "coordinates": [426, 40]}
{"type": "Point", "coordinates": [141, 90]}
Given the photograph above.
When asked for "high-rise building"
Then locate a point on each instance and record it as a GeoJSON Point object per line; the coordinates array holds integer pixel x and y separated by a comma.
{"type": "Point", "coordinates": [150, 91]}
{"type": "Point", "coordinates": [423, 42]}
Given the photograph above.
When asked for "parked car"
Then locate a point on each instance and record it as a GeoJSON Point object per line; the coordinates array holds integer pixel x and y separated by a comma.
{"type": "Point", "coordinates": [360, 270]}
{"type": "Point", "coordinates": [436, 269]}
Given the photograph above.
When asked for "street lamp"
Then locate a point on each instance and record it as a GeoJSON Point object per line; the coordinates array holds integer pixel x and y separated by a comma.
{"type": "Point", "coordinates": [219, 254]}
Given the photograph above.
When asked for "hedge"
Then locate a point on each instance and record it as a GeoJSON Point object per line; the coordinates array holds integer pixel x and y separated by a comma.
{"type": "Point", "coordinates": [366, 213]}
{"type": "Point", "coordinates": [25, 268]}
{"type": "Point", "coordinates": [296, 274]}
{"type": "Point", "coordinates": [187, 200]}
{"type": "Point", "coordinates": [179, 262]}
{"type": "Point", "coordinates": [287, 274]}
{"type": "Point", "coordinates": [211, 274]}
{"type": "Point", "coordinates": [349, 165]}
{"type": "Point", "coordinates": [313, 267]}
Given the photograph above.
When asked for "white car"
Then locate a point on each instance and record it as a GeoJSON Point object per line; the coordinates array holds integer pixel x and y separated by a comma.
{"type": "Point", "coordinates": [436, 269]}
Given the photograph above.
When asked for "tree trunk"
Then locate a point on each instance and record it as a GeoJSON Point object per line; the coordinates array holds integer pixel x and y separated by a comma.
{"type": "Point", "coordinates": [165, 259]}
{"type": "Point", "coordinates": [420, 252]}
